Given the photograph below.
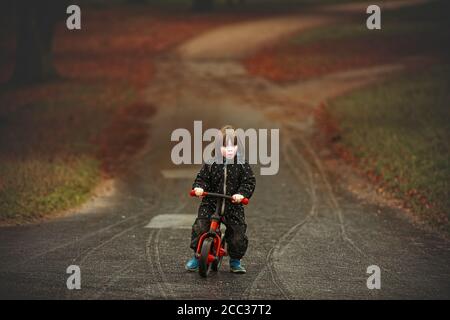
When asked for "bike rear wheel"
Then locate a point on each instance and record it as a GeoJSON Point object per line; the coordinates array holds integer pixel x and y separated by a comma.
{"type": "Point", "coordinates": [204, 267]}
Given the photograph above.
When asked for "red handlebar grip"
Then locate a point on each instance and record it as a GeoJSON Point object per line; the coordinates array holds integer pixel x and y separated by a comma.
{"type": "Point", "coordinates": [244, 201]}
{"type": "Point", "coordinates": [192, 193]}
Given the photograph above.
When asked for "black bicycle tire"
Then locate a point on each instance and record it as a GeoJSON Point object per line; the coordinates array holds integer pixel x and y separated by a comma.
{"type": "Point", "coordinates": [215, 266]}
{"type": "Point", "coordinates": [204, 267]}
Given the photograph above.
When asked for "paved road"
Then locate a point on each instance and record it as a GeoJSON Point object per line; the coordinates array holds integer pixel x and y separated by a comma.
{"type": "Point", "coordinates": [308, 237]}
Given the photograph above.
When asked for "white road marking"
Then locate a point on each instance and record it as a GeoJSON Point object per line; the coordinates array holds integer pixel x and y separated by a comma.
{"type": "Point", "coordinates": [179, 173]}
{"type": "Point", "coordinates": [172, 221]}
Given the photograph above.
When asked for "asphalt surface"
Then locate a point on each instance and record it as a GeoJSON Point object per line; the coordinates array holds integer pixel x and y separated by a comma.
{"type": "Point", "coordinates": [309, 239]}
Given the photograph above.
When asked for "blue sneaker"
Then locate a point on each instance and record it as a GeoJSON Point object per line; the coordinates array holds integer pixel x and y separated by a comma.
{"type": "Point", "coordinates": [236, 267]}
{"type": "Point", "coordinates": [192, 264]}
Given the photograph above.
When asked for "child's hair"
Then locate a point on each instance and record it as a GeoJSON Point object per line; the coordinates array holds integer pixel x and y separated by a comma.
{"type": "Point", "coordinates": [224, 134]}
{"type": "Point", "coordinates": [236, 142]}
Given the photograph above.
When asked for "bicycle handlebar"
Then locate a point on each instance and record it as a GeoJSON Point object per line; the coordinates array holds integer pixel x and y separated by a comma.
{"type": "Point", "coordinates": [218, 195]}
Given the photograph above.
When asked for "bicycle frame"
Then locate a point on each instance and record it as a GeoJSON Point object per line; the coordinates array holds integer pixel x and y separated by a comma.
{"type": "Point", "coordinates": [214, 229]}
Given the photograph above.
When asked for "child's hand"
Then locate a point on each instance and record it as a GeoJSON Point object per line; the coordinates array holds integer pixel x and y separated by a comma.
{"type": "Point", "coordinates": [237, 198]}
{"type": "Point", "coordinates": [198, 192]}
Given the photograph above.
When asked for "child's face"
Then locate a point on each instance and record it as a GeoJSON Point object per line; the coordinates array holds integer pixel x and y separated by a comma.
{"type": "Point", "coordinates": [230, 150]}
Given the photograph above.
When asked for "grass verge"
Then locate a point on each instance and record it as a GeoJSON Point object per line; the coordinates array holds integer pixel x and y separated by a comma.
{"type": "Point", "coordinates": [48, 158]}
{"type": "Point", "coordinates": [399, 134]}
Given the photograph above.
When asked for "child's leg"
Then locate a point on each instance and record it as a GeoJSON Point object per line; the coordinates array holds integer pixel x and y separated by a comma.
{"type": "Point", "coordinates": [236, 239]}
{"type": "Point", "coordinates": [200, 226]}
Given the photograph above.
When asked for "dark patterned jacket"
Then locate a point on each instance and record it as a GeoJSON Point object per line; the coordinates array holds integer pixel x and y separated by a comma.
{"type": "Point", "coordinates": [239, 180]}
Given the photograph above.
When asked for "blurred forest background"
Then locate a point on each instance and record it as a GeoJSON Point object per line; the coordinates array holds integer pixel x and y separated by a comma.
{"type": "Point", "coordinates": [70, 100]}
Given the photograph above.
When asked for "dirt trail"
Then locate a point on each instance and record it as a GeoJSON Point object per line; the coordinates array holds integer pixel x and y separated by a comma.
{"type": "Point", "coordinates": [238, 40]}
{"type": "Point", "coordinates": [231, 42]}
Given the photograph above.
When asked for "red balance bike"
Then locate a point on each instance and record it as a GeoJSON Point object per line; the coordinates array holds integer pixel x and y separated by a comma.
{"type": "Point", "coordinates": [211, 245]}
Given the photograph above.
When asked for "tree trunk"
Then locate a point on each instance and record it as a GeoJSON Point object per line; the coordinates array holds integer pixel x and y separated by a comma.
{"type": "Point", "coordinates": [202, 5]}
{"type": "Point", "coordinates": [34, 60]}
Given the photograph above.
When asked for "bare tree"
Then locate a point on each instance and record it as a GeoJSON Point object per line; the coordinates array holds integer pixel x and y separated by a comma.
{"type": "Point", "coordinates": [202, 5]}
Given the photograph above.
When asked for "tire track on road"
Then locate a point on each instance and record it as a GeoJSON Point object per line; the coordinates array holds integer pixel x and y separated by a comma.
{"type": "Point", "coordinates": [278, 249]}
{"type": "Point", "coordinates": [337, 209]}
{"type": "Point", "coordinates": [153, 256]}
{"type": "Point", "coordinates": [116, 275]}
{"type": "Point", "coordinates": [67, 244]}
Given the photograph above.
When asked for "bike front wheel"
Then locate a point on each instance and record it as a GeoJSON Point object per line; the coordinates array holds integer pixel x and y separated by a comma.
{"type": "Point", "coordinates": [204, 266]}
{"type": "Point", "coordinates": [215, 266]}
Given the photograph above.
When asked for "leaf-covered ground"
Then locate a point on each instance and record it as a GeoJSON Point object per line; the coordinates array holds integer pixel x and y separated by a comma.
{"type": "Point", "coordinates": [59, 139]}
{"type": "Point", "coordinates": [345, 45]}
{"type": "Point", "coordinates": [398, 134]}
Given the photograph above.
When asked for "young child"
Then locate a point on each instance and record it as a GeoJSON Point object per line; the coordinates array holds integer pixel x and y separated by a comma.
{"type": "Point", "coordinates": [239, 183]}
